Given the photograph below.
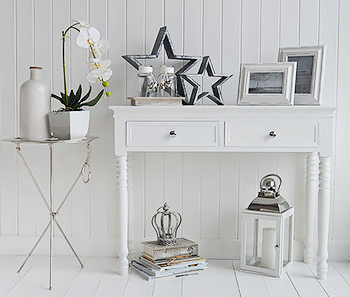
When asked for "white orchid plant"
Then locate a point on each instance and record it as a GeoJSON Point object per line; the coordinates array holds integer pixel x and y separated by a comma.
{"type": "Point", "coordinates": [99, 69]}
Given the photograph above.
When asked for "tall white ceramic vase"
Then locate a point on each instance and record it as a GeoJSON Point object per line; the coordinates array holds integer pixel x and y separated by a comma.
{"type": "Point", "coordinates": [35, 105]}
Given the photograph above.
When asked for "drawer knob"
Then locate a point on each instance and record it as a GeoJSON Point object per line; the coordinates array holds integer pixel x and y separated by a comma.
{"type": "Point", "coordinates": [172, 134]}
{"type": "Point", "coordinates": [272, 134]}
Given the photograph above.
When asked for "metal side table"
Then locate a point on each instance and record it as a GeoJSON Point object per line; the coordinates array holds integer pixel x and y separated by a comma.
{"type": "Point", "coordinates": [85, 174]}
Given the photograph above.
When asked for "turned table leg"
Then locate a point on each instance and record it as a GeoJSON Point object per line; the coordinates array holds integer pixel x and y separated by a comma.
{"type": "Point", "coordinates": [122, 187]}
{"type": "Point", "coordinates": [310, 204]}
{"type": "Point", "coordinates": [323, 215]}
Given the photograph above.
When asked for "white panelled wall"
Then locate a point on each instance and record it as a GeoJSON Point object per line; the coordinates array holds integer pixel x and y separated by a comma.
{"type": "Point", "coordinates": [209, 189]}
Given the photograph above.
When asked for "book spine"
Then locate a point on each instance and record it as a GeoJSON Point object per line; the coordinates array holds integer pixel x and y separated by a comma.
{"type": "Point", "coordinates": [171, 252]}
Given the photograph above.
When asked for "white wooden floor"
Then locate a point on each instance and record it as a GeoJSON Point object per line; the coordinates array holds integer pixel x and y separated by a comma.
{"type": "Point", "coordinates": [222, 278]}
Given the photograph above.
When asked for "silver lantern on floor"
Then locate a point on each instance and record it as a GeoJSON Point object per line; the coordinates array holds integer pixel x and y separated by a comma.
{"type": "Point", "coordinates": [267, 230]}
{"type": "Point", "coordinates": [166, 224]}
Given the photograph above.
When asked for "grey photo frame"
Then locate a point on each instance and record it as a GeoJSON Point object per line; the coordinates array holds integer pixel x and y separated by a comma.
{"type": "Point", "coordinates": [267, 84]}
{"type": "Point", "coordinates": [309, 73]}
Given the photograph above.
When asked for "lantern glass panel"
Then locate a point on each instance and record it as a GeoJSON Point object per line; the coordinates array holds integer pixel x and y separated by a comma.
{"type": "Point", "coordinates": [287, 240]}
{"type": "Point", "coordinates": [261, 235]}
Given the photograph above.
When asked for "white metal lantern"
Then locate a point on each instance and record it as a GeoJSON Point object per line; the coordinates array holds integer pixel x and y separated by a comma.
{"type": "Point", "coordinates": [267, 231]}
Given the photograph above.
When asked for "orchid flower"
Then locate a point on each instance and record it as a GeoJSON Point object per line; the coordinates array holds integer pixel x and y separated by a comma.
{"type": "Point", "coordinates": [100, 47]}
{"type": "Point", "coordinates": [87, 37]}
{"type": "Point", "coordinates": [99, 75]}
{"type": "Point", "coordinates": [97, 63]}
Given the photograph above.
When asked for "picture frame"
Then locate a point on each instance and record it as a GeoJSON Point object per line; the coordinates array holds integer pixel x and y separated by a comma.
{"type": "Point", "coordinates": [309, 73]}
{"type": "Point", "coordinates": [267, 84]}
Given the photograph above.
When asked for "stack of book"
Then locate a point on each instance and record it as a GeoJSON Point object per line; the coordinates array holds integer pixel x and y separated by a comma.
{"type": "Point", "coordinates": [159, 261]}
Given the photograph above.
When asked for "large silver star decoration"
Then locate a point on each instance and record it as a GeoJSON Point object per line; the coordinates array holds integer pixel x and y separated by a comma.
{"type": "Point", "coordinates": [163, 38]}
{"type": "Point", "coordinates": [215, 96]}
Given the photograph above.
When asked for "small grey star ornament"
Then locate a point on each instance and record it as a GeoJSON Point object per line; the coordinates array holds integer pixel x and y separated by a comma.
{"type": "Point", "coordinates": [215, 95]}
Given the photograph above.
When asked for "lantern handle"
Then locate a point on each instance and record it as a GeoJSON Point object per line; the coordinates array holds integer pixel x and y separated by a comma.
{"type": "Point", "coordinates": [275, 175]}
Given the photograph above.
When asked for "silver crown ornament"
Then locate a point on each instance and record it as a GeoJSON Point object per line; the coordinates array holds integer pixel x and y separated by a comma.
{"type": "Point", "coordinates": [166, 223]}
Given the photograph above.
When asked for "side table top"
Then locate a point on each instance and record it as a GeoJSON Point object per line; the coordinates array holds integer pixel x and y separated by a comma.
{"type": "Point", "coordinates": [49, 140]}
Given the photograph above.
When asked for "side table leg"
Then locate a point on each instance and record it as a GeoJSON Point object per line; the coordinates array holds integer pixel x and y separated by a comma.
{"type": "Point", "coordinates": [323, 216]}
{"type": "Point", "coordinates": [51, 253]}
{"type": "Point", "coordinates": [122, 186]}
{"type": "Point", "coordinates": [311, 188]}
{"type": "Point", "coordinates": [52, 216]}
{"type": "Point", "coordinates": [34, 247]}
{"type": "Point", "coordinates": [68, 242]}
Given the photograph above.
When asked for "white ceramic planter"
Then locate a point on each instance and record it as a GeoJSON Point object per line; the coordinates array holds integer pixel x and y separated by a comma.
{"type": "Point", "coordinates": [35, 105]}
{"type": "Point", "coordinates": [69, 124]}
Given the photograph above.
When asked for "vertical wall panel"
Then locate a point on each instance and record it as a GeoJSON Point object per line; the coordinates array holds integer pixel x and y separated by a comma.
{"type": "Point", "coordinates": [8, 87]}
{"type": "Point", "coordinates": [191, 180]}
{"type": "Point", "coordinates": [173, 182]}
{"type": "Point", "coordinates": [250, 31]}
{"type": "Point", "coordinates": [329, 36]}
{"type": "Point", "coordinates": [231, 48]}
{"type": "Point", "coordinates": [289, 23]}
{"type": "Point", "coordinates": [229, 215]}
{"type": "Point", "coordinates": [210, 195]}
{"type": "Point", "coordinates": [309, 14]}
{"type": "Point", "coordinates": [154, 190]}
{"type": "Point", "coordinates": [267, 163]}
{"type": "Point", "coordinates": [248, 181]}
{"type": "Point", "coordinates": [270, 28]}
{"type": "Point", "coordinates": [193, 28]}
{"type": "Point", "coordinates": [137, 220]}
{"type": "Point", "coordinates": [135, 39]}
{"type": "Point", "coordinates": [117, 37]}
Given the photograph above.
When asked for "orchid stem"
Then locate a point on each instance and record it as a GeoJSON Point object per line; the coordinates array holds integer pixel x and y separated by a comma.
{"type": "Point", "coordinates": [64, 34]}
{"type": "Point", "coordinates": [64, 67]}
{"type": "Point", "coordinates": [71, 27]}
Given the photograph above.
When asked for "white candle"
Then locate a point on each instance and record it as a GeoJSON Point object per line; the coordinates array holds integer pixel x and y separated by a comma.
{"type": "Point", "coordinates": [268, 257]}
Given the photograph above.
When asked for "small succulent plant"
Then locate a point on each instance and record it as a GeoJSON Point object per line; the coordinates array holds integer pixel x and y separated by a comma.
{"type": "Point", "coordinates": [75, 101]}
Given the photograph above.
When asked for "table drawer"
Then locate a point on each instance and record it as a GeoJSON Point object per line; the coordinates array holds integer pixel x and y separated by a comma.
{"type": "Point", "coordinates": [173, 134]}
{"type": "Point", "coordinates": [269, 133]}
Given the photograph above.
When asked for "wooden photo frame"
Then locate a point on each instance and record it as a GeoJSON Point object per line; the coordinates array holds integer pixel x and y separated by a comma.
{"type": "Point", "coordinates": [310, 67]}
{"type": "Point", "coordinates": [267, 84]}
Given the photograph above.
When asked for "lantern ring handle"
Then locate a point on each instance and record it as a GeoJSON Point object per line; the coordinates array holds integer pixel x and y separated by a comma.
{"type": "Point", "coordinates": [275, 175]}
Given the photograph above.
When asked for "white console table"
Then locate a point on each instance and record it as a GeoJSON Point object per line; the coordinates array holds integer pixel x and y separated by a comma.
{"type": "Point", "coordinates": [233, 129]}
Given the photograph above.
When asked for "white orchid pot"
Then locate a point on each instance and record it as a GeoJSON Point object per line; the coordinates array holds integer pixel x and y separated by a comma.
{"type": "Point", "coordinates": [69, 124]}
{"type": "Point", "coordinates": [35, 105]}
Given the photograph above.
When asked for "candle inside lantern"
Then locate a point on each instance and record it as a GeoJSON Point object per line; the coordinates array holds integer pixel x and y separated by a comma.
{"type": "Point", "coordinates": [268, 257]}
